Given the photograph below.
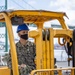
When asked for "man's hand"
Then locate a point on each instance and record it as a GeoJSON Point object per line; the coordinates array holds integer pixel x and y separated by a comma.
{"type": "Point", "coordinates": [22, 65]}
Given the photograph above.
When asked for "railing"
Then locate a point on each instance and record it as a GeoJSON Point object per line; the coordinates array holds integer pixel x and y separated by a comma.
{"type": "Point", "coordinates": [60, 71]}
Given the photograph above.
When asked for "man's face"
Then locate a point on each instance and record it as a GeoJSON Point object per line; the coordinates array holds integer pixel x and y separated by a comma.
{"type": "Point", "coordinates": [23, 34]}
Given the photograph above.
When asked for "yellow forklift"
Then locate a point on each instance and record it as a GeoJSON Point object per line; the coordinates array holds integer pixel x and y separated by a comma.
{"type": "Point", "coordinates": [44, 39]}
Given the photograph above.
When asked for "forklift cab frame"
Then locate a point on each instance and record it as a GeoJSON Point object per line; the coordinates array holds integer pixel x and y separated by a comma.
{"type": "Point", "coordinates": [38, 17]}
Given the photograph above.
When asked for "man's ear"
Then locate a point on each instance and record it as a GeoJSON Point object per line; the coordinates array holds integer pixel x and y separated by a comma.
{"type": "Point", "coordinates": [19, 34]}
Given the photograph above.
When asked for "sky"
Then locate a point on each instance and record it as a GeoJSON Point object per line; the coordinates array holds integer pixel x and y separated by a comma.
{"type": "Point", "coordinates": [67, 6]}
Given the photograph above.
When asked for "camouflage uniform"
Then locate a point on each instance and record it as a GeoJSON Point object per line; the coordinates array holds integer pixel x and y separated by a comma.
{"type": "Point", "coordinates": [25, 55]}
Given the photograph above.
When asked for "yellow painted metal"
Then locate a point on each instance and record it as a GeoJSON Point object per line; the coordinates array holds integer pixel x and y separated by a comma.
{"type": "Point", "coordinates": [44, 51]}
{"type": "Point", "coordinates": [51, 49]}
{"type": "Point", "coordinates": [44, 55]}
{"type": "Point", "coordinates": [62, 22]}
{"type": "Point", "coordinates": [33, 33]}
{"type": "Point", "coordinates": [72, 71]}
{"type": "Point", "coordinates": [48, 50]}
{"type": "Point", "coordinates": [63, 42]}
{"type": "Point", "coordinates": [48, 55]}
{"type": "Point", "coordinates": [39, 50]}
{"type": "Point", "coordinates": [62, 33]}
{"type": "Point", "coordinates": [35, 15]}
{"type": "Point", "coordinates": [12, 45]}
{"type": "Point", "coordinates": [38, 12]}
{"type": "Point", "coordinates": [39, 25]}
{"type": "Point", "coordinates": [5, 71]}
{"type": "Point", "coordinates": [38, 42]}
{"type": "Point", "coordinates": [60, 70]}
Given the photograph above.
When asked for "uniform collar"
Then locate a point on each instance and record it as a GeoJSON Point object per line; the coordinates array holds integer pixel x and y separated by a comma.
{"type": "Point", "coordinates": [27, 44]}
